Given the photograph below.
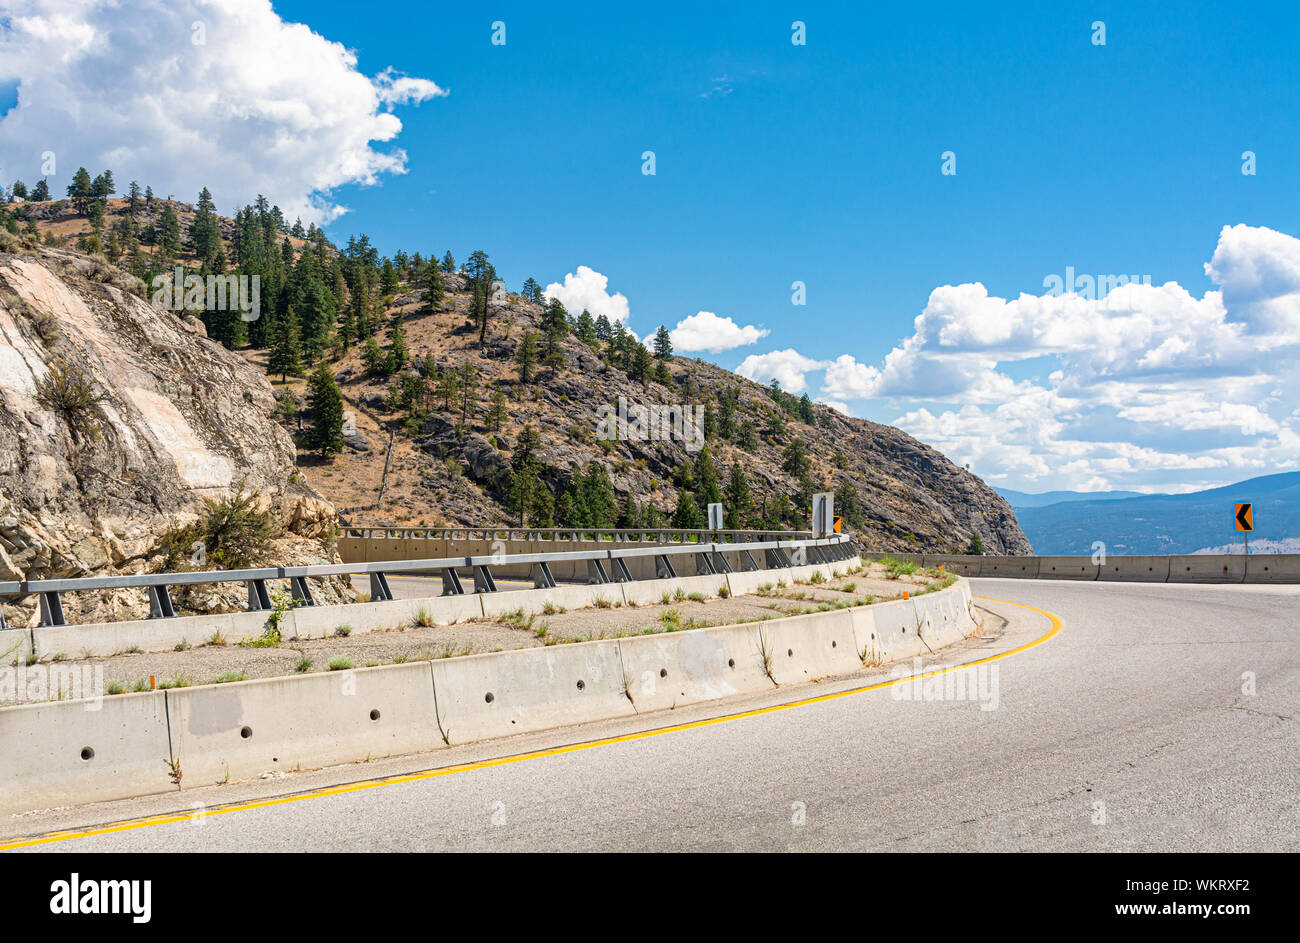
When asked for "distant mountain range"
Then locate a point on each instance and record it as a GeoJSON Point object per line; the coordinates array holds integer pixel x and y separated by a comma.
{"type": "Point", "coordinates": [1023, 499]}
{"type": "Point", "coordinates": [1069, 522]}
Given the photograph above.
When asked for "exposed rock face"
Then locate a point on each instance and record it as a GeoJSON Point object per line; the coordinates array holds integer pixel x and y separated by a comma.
{"type": "Point", "coordinates": [178, 419]}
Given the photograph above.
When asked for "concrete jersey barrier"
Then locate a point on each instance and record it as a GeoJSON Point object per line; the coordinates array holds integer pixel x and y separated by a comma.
{"type": "Point", "coordinates": [61, 752]}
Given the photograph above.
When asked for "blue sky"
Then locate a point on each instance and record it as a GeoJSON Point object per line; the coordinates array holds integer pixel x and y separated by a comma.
{"type": "Point", "coordinates": [821, 163]}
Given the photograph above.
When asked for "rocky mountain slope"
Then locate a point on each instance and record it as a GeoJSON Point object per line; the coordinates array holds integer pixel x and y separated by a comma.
{"type": "Point", "coordinates": [117, 421]}
{"type": "Point", "coordinates": [909, 495]}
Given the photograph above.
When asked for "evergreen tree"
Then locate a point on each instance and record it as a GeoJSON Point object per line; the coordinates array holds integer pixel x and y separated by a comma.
{"type": "Point", "coordinates": [639, 368]}
{"type": "Point", "coordinates": [976, 545]}
{"type": "Point", "coordinates": [18, 191]}
{"type": "Point", "coordinates": [527, 356]}
{"type": "Point", "coordinates": [706, 482]}
{"type": "Point", "coordinates": [169, 232]}
{"type": "Point", "coordinates": [532, 291]}
{"type": "Point", "coordinates": [434, 288]}
{"type": "Point", "coordinates": [325, 405]}
{"type": "Point", "coordinates": [739, 498]}
{"type": "Point", "coordinates": [448, 263]}
{"type": "Point", "coordinates": [529, 442]}
{"type": "Point", "coordinates": [468, 389]}
{"type": "Point", "coordinates": [286, 356]}
{"type": "Point", "coordinates": [41, 191]}
{"type": "Point", "coordinates": [795, 460]}
{"type": "Point", "coordinates": [388, 280]}
{"type": "Point", "coordinates": [597, 497]}
{"type": "Point", "coordinates": [661, 373]}
{"type": "Point", "coordinates": [372, 357]}
{"type": "Point", "coordinates": [663, 343]}
{"type": "Point", "coordinates": [497, 413]}
{"type": "Point", "coordinates": [603, 329]}
{"type": "Point", "coordinates": [687, 514]}
{"type": "Point", "coordinates": [847, 502]}
{"type": "Point", "coordinates": [79, 191]}
{"type": "Point", "coordinates": [398, 352]}
{"type": "Point", "coordinates": [205, 232]}
{"type": "Point", "coordinates": [586, 329]}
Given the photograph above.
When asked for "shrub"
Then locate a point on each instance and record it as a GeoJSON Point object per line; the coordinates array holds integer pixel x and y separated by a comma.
{"type": "Point", "coordinates": [234, 533]}
{"type": "Point", "coordinates": [69, 392]}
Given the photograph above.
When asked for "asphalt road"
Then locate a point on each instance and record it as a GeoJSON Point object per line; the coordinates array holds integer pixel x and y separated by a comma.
{"type": "Point", "coordinates": [1129, 729]}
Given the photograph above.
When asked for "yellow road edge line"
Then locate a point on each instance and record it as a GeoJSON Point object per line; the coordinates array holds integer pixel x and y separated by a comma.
{"type": "Point", "coordinates": [344, 788]}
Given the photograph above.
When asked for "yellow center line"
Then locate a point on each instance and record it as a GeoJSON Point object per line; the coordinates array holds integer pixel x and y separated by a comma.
{"type": "Point", "coordinates": [172, 817]}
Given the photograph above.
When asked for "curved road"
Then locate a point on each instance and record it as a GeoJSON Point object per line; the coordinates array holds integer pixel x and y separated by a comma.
{"type": "Point", "coordinates": [1132, 728]}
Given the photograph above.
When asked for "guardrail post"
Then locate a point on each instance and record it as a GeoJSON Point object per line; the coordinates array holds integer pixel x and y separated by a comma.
{"type": "Point", "coordinates": [664, 567]}
{"type": "Point", "coordinates": [259, 599]}
{"type": "Point", "coordinates": [483, 581]}
{"type": "Point", "coordinates": [620, 570]}
{"type": "Point", "coordinates": [451, 584]}
{"type": "Point", "coordinates": [379, 588]}
{"type": "Point", "coordinates": [776, 558]}
{"type": "Point", "coordinates": [51, 609]}
{"type": "Point", "coordinates": [160, 603]}
{"type": "Point", "coordinates": [3, 625]}
{"type": "Point", "coordinates": [596, 572]}
{"type": "Point", "coordinates": [703, 565]}
{"type": "Point", "coordinates": [301, 591]}
{"type": "Point", "coordinates": [542, 578]}
{"type": "Point", "coordinates": [747, 561]}
{"type": "Point", "coordinates": [720, 562]}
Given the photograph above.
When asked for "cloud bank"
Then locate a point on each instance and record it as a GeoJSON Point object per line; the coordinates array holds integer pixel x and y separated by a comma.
{"type": "Point", "coordinates": [1149, 383]}
{"type": "Point", "coordinates": [182, 94]}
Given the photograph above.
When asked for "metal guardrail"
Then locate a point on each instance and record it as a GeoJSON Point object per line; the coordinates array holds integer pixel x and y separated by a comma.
{"type": "Point", "coordinates": [614, 534]}
{"type": "Point", "coordinates": [603, 566]}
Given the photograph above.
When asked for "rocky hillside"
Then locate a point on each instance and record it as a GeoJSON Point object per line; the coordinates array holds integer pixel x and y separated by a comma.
{"type": "Point", "coordinates": [453, 465]}
{"type": "Point", "coordinates": [118, 421]}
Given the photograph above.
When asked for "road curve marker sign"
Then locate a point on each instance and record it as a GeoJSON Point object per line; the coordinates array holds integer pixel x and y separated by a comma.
{"type": "Point", "coordinates": [1245, 517]}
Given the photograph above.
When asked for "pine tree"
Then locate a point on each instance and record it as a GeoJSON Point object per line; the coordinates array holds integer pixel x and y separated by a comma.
{"type": "Point", "coordinates": [687, 514]}
{"type": "Point", "coordinates": [706, 482]}
{"type": "Point", "coordinates": [641, 364]}
{"type": "Point", "coordinates": [80, 191]}
{"type": "Point", "coordinates": [398, 352]}
{"type": "Point", "coordinates": [976, 545]}
{"type": "Point", "coordinates": [739, 498]}
{"type": "Point", "coordinates": [41, 191]}
{"type": "Point", "coordinates": [527, 356]}
{"type": "Point", "coordinates": [532, 291]}
{"type": "Point", "coordinates": [795, 460]}
{"type": "Point", "coordinates": [847, 502]}
{"type": "Point", "coordinates": [434, 288]}
{"type": "Point", "coordinates": [325, 432]}
{"type": "Point", "coordinates": [468, 388]}
{"type": "Point", "coordinates": [661, 373]}
{"type": "Point", "coordinates": [286, 356]}
{"type": "Point", "coordinates": [448, 263]}
{"type": "Point", "coordinates": [372, 357]}
{"type": "Point", "coordinates": [205, 232]}
{"type": "Point", "coordinates": [603, 329]}
{"type": "Point", "coordinates": [585, 328]}
{"type": "Point", "coordinates": [497, 413]}
{"type": "Point", "coordinates": [663, 343]}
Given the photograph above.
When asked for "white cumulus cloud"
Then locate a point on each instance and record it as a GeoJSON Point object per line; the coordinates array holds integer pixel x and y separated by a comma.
{"type": "Point", "coordinates": [1135, 387]}
{"type": "Point", "coordinates": [788, 367]}
{"type": "Point", "coordinates": [589, 289]}
{"type": "Point", "coordinates": [183, 94]}
{"type": "Point", "coordinates": [708, 332]}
